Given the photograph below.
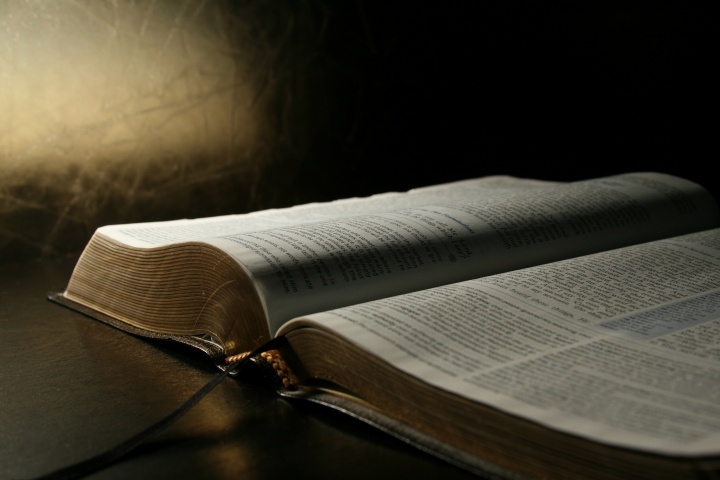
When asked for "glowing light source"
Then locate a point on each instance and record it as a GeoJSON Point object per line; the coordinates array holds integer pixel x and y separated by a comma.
{"type": "Point", "coordinates": [125, 81]}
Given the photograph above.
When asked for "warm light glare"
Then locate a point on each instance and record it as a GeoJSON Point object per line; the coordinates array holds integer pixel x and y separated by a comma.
{"type": "Point", "coordinates": [118, 111]}
{"type": "Point", "coordinates": [120, 80]}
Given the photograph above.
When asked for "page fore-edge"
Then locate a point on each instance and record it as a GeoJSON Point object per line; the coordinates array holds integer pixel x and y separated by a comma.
{"type": "Point", "coordinates": [213, 350]}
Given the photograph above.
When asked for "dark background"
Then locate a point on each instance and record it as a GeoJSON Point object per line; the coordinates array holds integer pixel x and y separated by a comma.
{"type": "Point", "coordinates": [358, 97]}
{"type": "Point", "coordinates": [551, 89]}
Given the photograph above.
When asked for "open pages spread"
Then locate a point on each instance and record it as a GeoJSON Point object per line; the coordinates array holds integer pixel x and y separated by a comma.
{"type": "Point", "coordinates": [620, 346]}
{"type": "Point", "coordinates": [316, 257]}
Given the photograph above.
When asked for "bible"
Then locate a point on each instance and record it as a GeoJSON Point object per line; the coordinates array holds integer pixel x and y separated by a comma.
{"type": "Point", "coordinates": [518, 328]}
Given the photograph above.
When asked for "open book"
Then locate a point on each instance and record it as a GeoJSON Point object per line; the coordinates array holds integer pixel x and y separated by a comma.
{"type": "Point", "coordinates": [512, 326]}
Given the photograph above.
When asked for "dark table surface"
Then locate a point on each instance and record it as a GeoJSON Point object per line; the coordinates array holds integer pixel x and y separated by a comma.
{"type": "Point", "coordinates": [72, 387]}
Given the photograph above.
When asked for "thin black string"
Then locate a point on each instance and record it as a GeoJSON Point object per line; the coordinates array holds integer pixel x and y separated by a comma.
{"type": "Point", "coordinates": [112, 455]}
{"type": "Point", "coordinates": [108, 457]}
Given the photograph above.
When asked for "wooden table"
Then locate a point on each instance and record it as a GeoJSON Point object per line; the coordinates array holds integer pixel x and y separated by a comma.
{"type": "Point", "coordinates": [72, 387]}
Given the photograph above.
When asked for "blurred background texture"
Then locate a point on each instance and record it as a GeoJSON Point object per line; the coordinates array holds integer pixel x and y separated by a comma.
{"type": "Point", "coordinates": [117, 111]}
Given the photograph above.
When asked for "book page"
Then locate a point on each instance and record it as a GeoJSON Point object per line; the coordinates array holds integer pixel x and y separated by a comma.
{"type": "Point", "coordinates": [621, 346]}
{"type": "Point", "coordinates": [313, 267]}
{"type": "Point", "coordinates": [153, 234]}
